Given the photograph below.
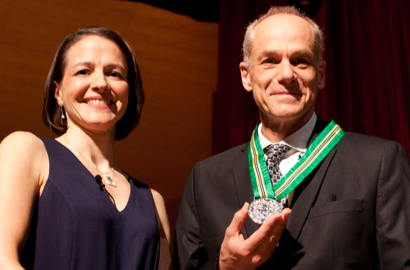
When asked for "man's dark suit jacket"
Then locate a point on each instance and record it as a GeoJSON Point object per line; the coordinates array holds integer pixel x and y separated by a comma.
{"type": "Point", "coordinates": [351, 212]}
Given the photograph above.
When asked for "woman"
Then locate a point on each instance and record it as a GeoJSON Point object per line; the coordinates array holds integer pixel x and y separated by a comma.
{"type": "Point", "coordinates": [64, 202]}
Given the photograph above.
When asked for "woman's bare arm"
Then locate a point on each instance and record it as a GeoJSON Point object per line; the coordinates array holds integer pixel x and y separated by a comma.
{"type": "Point", "coordinates": [23, 171]}
{"type": "Point", "coordinates": [164, 232]}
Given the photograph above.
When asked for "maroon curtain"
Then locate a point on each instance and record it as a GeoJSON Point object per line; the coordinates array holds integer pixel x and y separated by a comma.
{"type": "Point", "coordinates": [367, 49]}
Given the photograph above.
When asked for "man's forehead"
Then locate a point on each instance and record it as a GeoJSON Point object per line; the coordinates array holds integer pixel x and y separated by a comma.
{"type": "Point", "coordinates": [284, 29]}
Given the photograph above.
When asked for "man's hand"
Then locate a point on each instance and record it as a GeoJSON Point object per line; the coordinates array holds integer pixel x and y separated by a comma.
{"type": "Point", "coordinates": [238, 253]}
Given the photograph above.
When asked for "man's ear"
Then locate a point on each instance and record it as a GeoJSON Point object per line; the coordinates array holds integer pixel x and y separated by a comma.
{"type": "Point", "coordinates": [57, 93]}
{"type": "Point", "coordinates": [245, 76]}
{"type": "Point", "coordinates": [322, 71]}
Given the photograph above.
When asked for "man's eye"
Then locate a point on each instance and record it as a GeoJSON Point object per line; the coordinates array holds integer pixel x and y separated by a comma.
{"type": "Point", "coordinates": [300, 61]}
{"type": "Point", "coordinates": [270, 61]}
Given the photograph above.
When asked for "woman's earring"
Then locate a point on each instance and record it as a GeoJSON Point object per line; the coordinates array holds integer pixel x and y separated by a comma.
{"type": "Point", "coordinates": [62, 112]}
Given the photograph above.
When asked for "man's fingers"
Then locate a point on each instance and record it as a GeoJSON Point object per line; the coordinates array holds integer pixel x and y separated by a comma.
{"type": "Point", "coordinates": [264, 232]}
{"type": "Point", "coordinates": [270, 231]}
{"type": "Point", "coordinates": [258, 247]}
{"type": "Point", "coordinates": [281, 221]}
{"type": "Point", "coordinates": [276, 224]}
{"type": "Point", "coordinates": [238, 220]}
{"type": "Point", "coordinates": [286, 213]}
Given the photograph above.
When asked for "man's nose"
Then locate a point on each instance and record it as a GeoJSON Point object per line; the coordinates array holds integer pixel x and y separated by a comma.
{"type": "Point", "coordinates": [286, 74]}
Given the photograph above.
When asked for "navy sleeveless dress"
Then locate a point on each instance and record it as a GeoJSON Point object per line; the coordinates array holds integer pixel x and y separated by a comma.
{"type": "Point", "coordinates": [76, 226]}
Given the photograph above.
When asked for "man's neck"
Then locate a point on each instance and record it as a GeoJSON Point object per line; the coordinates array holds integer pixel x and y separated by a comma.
{"type": "Point", "coordinates": [276, 131]}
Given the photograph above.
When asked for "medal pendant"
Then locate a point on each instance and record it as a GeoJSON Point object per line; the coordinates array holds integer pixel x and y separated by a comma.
{"type": "Point", "coordinates": [261, 209]}
{"type": "Point", "coordinates": [109, 180]}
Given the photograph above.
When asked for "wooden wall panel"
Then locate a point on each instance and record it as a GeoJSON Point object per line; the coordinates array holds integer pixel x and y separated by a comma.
{"type": "Point", "coordinates": [178, 61]}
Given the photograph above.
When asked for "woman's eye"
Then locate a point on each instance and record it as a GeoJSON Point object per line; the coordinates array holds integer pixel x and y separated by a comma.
{"type": "Point", "coordinates": [116, 74]}
{"type": "Point", "coordinates": [82, 72]}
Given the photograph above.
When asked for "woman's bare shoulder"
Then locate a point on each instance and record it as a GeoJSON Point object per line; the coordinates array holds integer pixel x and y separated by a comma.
{"type": "Point", "coordinates": [22, 140]}
{"type": "Point", "coordinates": [157, 197]}
{"type": "Point", "coordinates": [23, 147]}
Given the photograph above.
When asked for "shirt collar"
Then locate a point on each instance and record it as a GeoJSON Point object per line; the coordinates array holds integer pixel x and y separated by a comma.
{"type": "Point", "coordinates": [297, 140]}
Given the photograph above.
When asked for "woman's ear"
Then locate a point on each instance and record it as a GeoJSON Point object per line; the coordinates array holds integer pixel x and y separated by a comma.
{"type": "Point", "coordinates": [57, 93]}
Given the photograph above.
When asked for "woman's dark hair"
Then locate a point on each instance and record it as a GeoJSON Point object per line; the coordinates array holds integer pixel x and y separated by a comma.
{"type": "Point", "coordinates": [51, 113]}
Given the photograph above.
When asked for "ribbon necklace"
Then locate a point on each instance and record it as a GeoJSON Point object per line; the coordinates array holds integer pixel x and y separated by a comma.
{"type": "Point", "coordinates": [315, 153]}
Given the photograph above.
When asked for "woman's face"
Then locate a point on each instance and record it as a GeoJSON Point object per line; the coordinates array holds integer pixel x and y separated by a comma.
{"type": "Point", "coordinates": [94, 88]}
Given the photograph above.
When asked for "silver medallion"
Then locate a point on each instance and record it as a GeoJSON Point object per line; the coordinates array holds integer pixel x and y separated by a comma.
{"type": "Point", "coordinates": [261, 209]}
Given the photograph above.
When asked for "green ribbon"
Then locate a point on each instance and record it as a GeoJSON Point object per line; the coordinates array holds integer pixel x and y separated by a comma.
{"type": "Point", "coordinates": [316, 152]}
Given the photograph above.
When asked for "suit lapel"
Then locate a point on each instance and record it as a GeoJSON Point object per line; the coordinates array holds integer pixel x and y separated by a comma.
{"type": "Point", "coordinates": [305, 196]}
{"type": "Point", "coordinates": [306, 193]}
{"type": "Point", "coordinates": [244, 187]}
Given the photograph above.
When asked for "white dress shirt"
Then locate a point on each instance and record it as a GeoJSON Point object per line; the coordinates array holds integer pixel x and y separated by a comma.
{"type": "Point", "coordinates": [297, 143]}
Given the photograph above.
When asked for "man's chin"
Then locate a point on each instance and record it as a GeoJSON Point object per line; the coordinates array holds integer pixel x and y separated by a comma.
{"type": "Point", "coordinates": [287, 112]}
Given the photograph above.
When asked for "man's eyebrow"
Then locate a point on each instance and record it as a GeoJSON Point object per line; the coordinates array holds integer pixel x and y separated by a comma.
{"type": "Point", "coordinates": [296, 52]}
{"type": "Point", "coordinates": [304, 53]}
{"type": "Point", "coordinates": [269, 52]}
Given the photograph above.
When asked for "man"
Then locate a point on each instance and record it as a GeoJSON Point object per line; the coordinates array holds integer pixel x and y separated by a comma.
{"type": "Point", "coordinates": [350, 210]}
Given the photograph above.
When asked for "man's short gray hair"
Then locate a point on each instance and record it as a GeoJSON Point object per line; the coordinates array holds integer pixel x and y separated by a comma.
{"type": "Point", "coordinates": [250, 31]}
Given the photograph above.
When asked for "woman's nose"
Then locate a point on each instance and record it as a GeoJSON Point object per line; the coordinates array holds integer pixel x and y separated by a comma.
{"type": "Point", "coordinates": [99, 82]}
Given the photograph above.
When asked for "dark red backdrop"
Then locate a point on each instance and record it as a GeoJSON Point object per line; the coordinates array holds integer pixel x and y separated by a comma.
{"type": "Point", "coordinates": [367, 75]}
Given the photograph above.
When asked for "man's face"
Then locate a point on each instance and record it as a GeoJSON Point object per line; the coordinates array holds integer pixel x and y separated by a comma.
{"type": "Point", "coordinates": [284, 74]}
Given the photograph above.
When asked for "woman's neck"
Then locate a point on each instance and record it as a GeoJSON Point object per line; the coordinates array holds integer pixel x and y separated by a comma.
{"type": "Point", "coordinates": [97, 148]}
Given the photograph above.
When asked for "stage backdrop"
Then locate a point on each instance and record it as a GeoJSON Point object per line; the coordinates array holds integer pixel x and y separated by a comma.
{"type": "Point", "coordinates": [367, 73]}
